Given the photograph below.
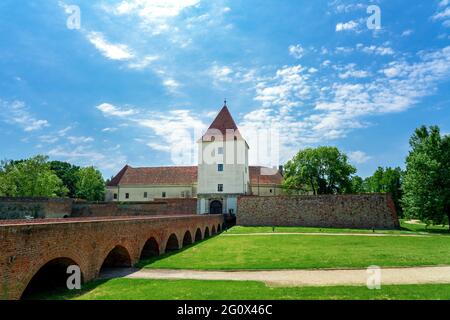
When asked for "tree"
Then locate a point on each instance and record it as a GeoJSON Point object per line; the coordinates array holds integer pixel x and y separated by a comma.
{"type": "Point", "coordinates": [68, 173]}
{"type": "Point", "coordinates": [427, 178]}
{"type": "Point", "coordinates": [386, 180]}
{"type": "Point", "coordinates": [30, 178]}
{"type": "Point", "coordinates": [323, 170]}
{"type": "Point", "coordinates": [90, 184]}
{"type": "Point", "coordinates": [358, 185]}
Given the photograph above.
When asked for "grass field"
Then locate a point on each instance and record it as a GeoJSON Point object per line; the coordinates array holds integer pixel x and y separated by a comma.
{"type": "Point", "coordinates": [134, 289]}
{"type": "Point", "coordinates": [406, 228]}
{"type": "Point", "coordinates": [236, 250]}
{"type": "Point", "coordinates": [264, 252]}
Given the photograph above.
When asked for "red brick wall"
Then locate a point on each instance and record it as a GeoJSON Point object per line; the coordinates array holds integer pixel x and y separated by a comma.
{"type": "Point", "coordinates": [160, 207]}
{"type": "Point", "coordinates": [18, 208]}
{"type": "Point", "coordinates": [25, 248]}
{"type": "Point", "coordinates": [340, 211]}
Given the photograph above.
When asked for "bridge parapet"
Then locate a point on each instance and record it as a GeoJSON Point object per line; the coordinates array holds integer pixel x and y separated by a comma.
{"type": "Point", "coordinates": [27, 247]}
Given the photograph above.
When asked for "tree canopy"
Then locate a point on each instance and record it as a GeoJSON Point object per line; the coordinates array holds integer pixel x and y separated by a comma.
{"type": "Point", "coordinates": [322, 170]}
{"type": "Point", "coordinates": [427, 178]}
{"type": "Point", "coordinates": [386, 180]}
{"type": "Point", "coordinates": [30, 178]}
{"type": "Point", "coordinates": [90, 184]}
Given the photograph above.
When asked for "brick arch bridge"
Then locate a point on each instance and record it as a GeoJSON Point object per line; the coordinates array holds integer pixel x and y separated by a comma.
{"type": "Point", "coordinates": [29, 250]}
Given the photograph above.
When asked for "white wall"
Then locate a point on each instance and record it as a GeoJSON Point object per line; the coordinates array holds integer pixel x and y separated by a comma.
{"type": "Point", "coordinates": [136, 193]}
{"type": "Point", "coordinates": [235, 176]}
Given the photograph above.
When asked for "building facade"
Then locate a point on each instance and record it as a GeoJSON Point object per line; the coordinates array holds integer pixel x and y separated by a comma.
{"type": "Point", "coordinates": [222, 175]}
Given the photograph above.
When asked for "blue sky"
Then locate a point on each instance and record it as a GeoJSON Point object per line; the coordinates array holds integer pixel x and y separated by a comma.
{"type": "Point", "coordinates": [138, 78]}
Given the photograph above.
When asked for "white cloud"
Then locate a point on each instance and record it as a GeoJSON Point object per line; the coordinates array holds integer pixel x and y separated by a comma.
{"type": "Point", "coordinates": [109, 129]}
{"type": "Point", "coordinates": [80, 140]}
{"type": "Point", "coordinates": [111, 110]}
{"type": "Point", "coordinates": [378, 50]}
{"type": "Point", "coordinates": [297, 51]}
{"type": "Point", "coordinates": [171, 84]}
{"type": "Point", "coordinates": [86, 156]}
{"type": "Point", "coordinates": [342, 106]}
{"type": "Point", "coordinates": [442, 14]}
{"type": "Point", "coordinates": [340, 8]}
{"type": "Point", "coordinates": [154, 9]}
{"type": "Point", "coordinates": [407, 33]}
{"type": "Point", "coordinates": [17, 113]}
{"type": "Point", "coordinates": [351, 72]}
{"type": "Point", "coordinates": [347, 26]}
{"type": "Point", "coordinates": [288, 85]}
{"type": "Point", "coordinates": [358, 157]}
{"type": "Point", "coordinates": [109, 50]}
{"type": "Point", "coordinates": [140, 64]}
{"type": "Point", "coordinates": [221, 74]}
{"type": "Point", "coordinates": [444, 3]}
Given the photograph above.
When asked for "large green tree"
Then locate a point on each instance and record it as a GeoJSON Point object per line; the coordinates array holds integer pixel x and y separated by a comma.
{"type": "Point", "coordinates": [427, 178]}
{"type": "Point", "coordinates": [386, 180]}
{"type": "Point", "coordinates": [68, 173]}
{"type": "Point", "coordinates": [90, 184]}
{"type": "Point", "coordinates": [30, 178]}
{"type": "Point", "coordinates": [322, 170]}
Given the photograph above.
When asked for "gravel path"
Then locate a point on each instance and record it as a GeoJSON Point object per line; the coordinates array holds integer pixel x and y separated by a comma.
{"type": "Point", "coordinates": [296, 278]}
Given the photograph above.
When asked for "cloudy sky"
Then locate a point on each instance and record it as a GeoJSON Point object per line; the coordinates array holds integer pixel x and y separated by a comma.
{"type": "Point", "coordinates": [139, 79]}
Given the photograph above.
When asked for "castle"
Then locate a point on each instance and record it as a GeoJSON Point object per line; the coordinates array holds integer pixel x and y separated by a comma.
{"type": "Point", "coordinates": [222, 175]}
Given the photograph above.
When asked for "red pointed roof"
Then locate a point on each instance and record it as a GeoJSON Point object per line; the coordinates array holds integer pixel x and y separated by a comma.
{"type": "Point", "coordinates": [222, 123]}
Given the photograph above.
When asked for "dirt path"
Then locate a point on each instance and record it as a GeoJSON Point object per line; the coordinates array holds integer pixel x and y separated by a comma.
{"type": "Point", "coordinates": [296, 278]}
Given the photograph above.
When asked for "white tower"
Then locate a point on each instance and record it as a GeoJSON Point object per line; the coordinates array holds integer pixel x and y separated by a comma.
{"type": "Point", "coordinates": [223, 172]}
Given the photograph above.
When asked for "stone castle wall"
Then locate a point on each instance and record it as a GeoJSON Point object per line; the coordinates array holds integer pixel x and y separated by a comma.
{"type": "Point", "coordinates": [45, 208]}
{"type": "Point", "coordinates": [36, 208]}
{"type": "Point", "coordinates": [161, 207]}
{"type": "Point", "coordinates": [368, 211]}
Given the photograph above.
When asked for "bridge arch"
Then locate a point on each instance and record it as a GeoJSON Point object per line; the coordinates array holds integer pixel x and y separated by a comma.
{"type": "Point", "coordinates": [172, 243]}
{"type": "Point", "coordinates": [187, 239]}
{"type": "Point", "coordinates": [118, 257]}
{"type": "Point", "coordinates": [52, 275]}
{"type": "Point", "coordinates": [150, 249]}
{"type": "Point", "coordinates": [219, 228]}
{"type": "Point", "coordinates": [198, 235]}
{"type": "Point", "coordinates": [213, 230]}
{"type": "Point", "coordinates": [206, 234]}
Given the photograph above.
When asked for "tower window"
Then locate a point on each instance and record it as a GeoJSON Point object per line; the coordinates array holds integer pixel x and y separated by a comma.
{"type": "Point", "coordinates": [127, 196]}
{"type": "Point", "coordinates": [115, 196]}
{"type": "Point", "coordinates": [220, 167]}
{"type": "Point", "coordinates": [164, 194]}
{"type": "Point", "coordinates": [220, 150]}
{"type": "Point", "coordinates": [145, 195]}
{"type": "Point", "coordinates": [220, 187]}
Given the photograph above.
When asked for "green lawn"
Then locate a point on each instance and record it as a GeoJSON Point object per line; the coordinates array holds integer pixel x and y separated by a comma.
{"type": "Point", "coordinates": [259, 252]}
{"type": "Point", "coordinates": [406, 228]}
{"type": "Point", "coordinates": [134, 289]}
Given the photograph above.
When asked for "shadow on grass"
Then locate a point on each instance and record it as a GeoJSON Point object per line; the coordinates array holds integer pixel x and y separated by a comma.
{"type": "Point", "coordinates": [66, 294]}
{"type": "Point", "coordinates": [426, 230]}
{"type": "Point", "coordinates": [147, 262]}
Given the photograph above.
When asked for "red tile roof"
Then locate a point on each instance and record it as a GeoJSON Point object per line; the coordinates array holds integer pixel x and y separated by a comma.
{"type": "Point", "coordinates": [223, 122]}
{"type": "Point", "coordinates": [265, 176]}
{"type": "Point", "coordinates": [183, 176]}
{"type": "Point", "coordinates": [155, 176]}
